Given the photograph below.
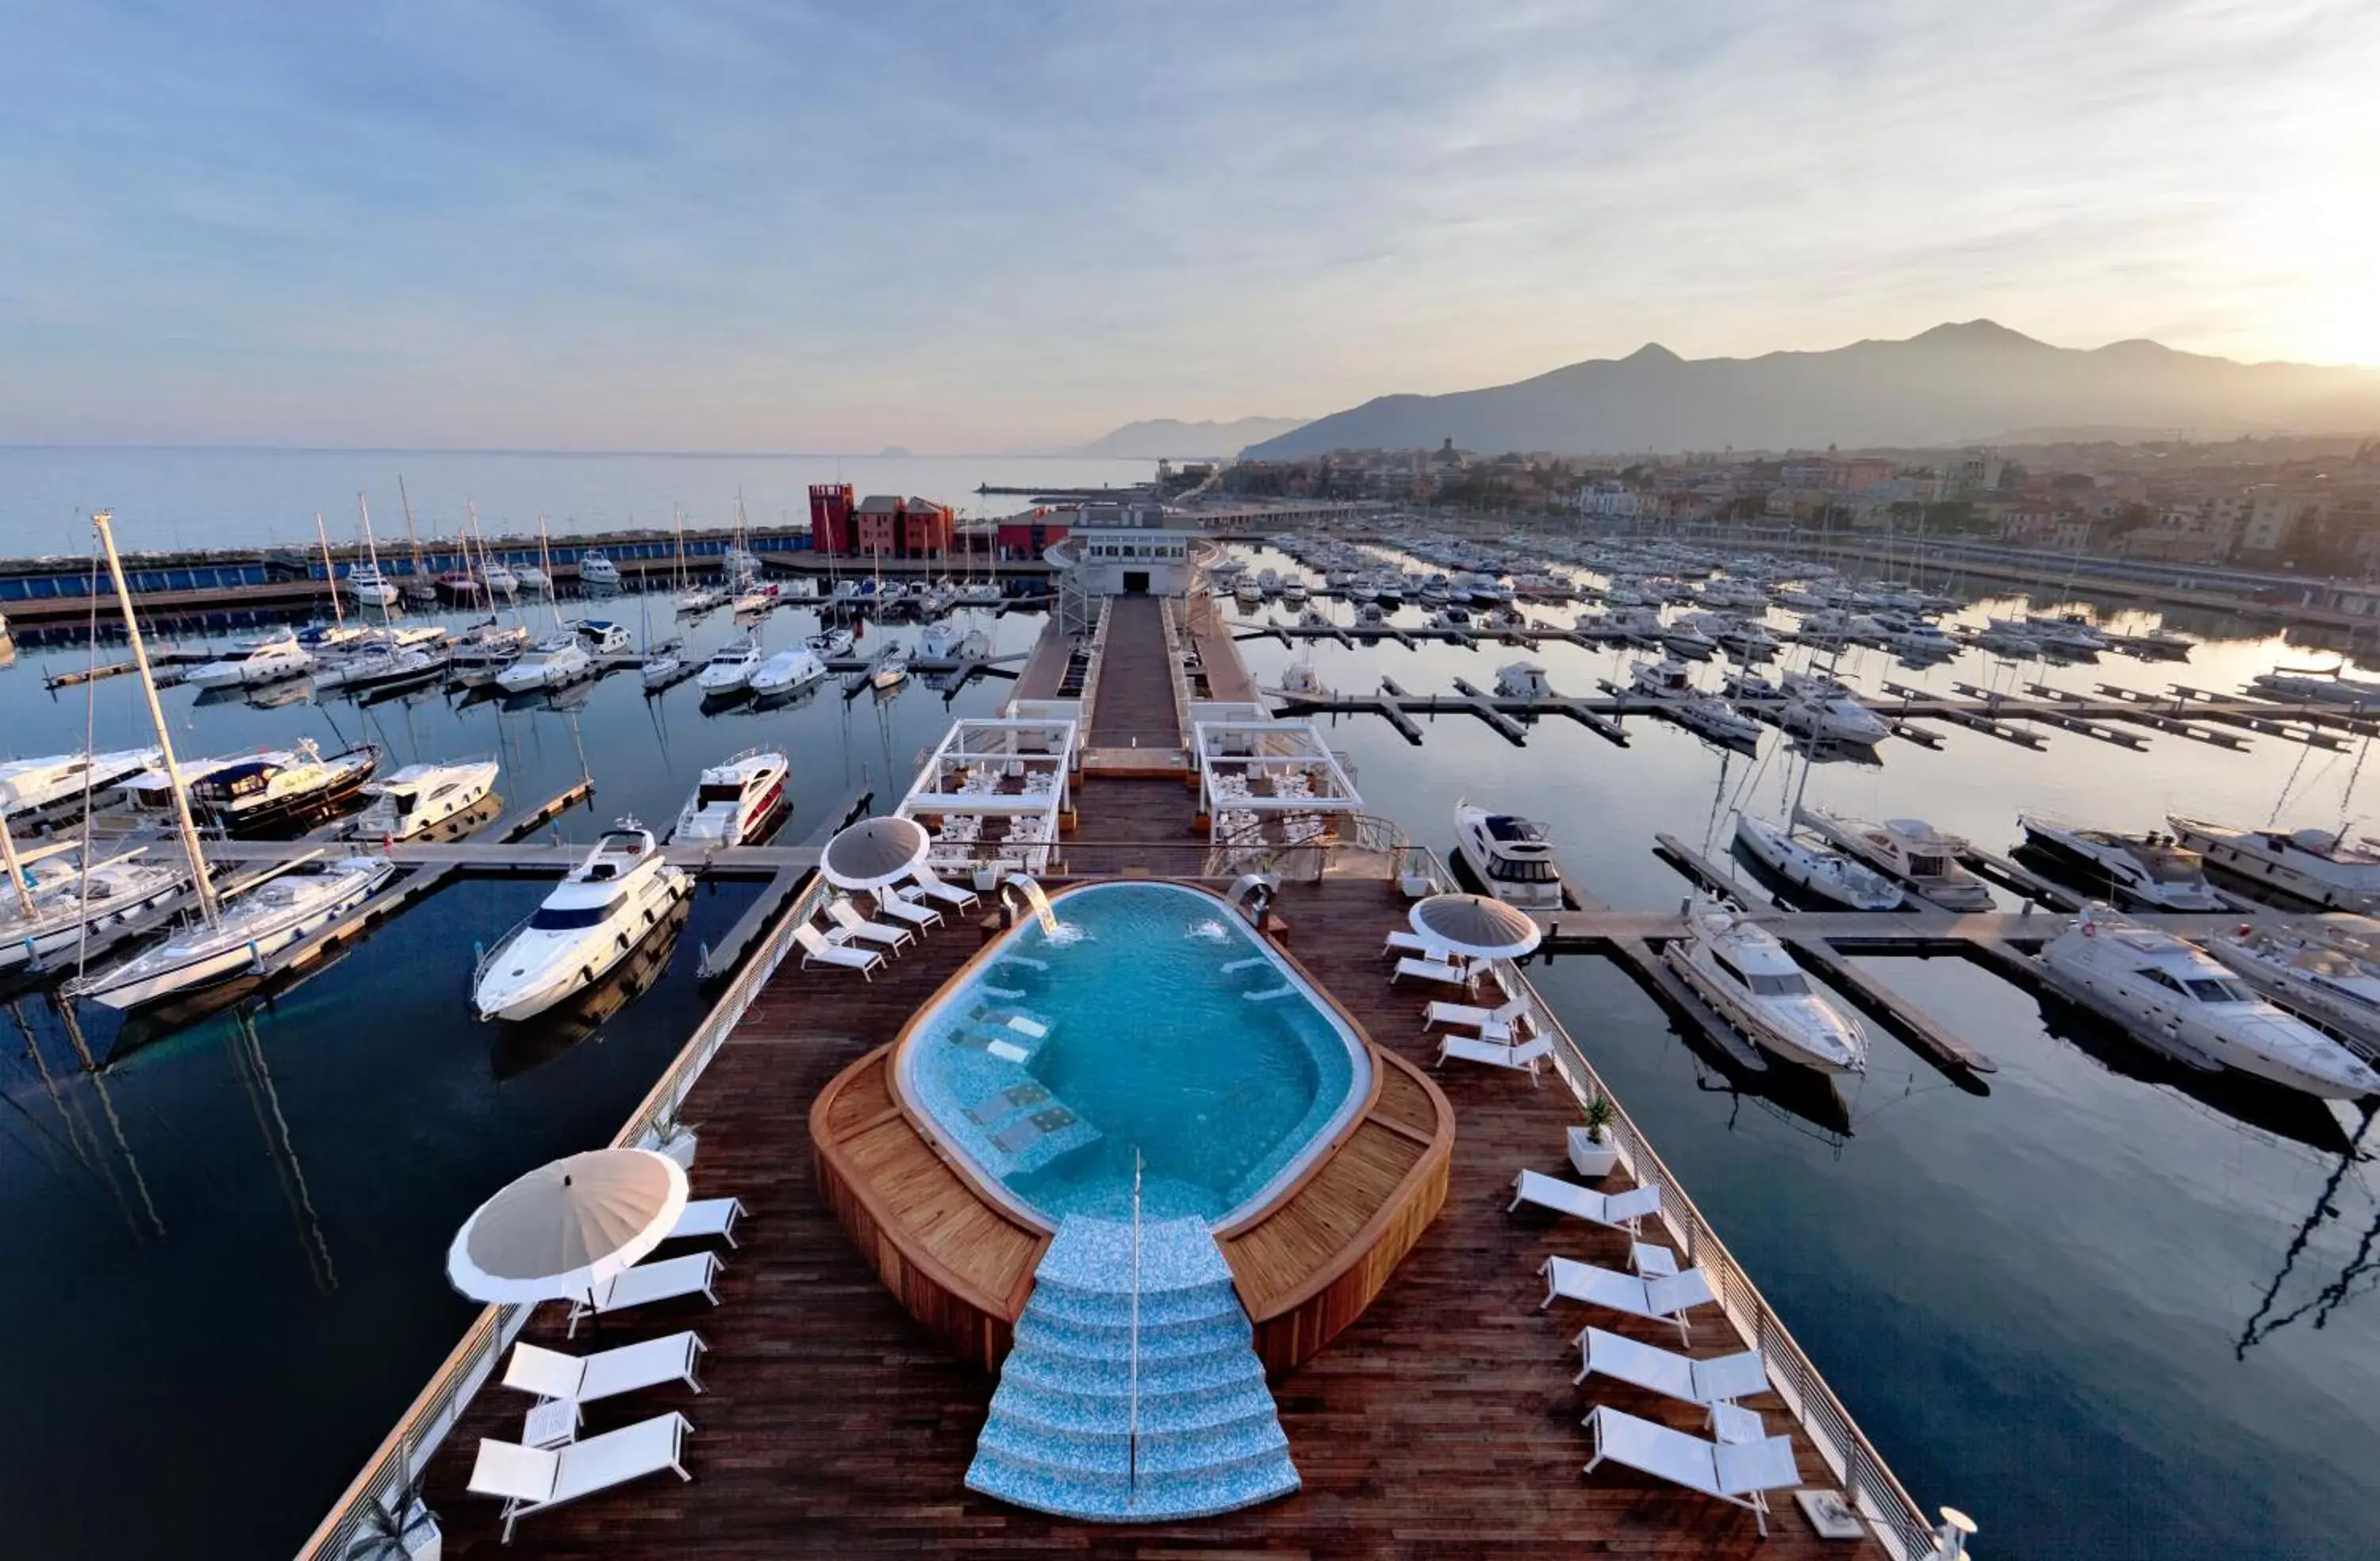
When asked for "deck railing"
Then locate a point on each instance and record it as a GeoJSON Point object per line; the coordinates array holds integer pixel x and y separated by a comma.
{"type": "Point", "coordinates": [1891, 1512]}
{"type": "Point", "coordinates": [406, 1452]}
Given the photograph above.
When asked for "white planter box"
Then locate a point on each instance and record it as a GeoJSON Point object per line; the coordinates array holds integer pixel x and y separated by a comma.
{"type": "Point", "coordinates": [986, 879]}
{"type": "Point", "coordinates": [1589, 1158]}
{"type": "Point", "coordinates": [1417, 886]}
{"type": "Point", "coordinates": [680, 1148]}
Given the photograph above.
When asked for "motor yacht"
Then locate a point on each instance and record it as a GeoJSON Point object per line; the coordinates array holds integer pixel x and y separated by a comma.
{"type": "Point", "coordinates": [1744, 973]}
{"type": "Point", "coordinates": [1513, 857]}
{"type": "Point", "coordinates": [1716, 721]}
{"type": "Point", "coordinates": [35, 787]}
{"type": "Point", "coordinates": [2152, 871]}
{"type": "Point", "coordinates": [421, 797]}
{"type": "Point", "coordinates": [892, 670]}
{"type": "Point", "coordinates": [1908, 849]}
{"type": "Point", "coordinates": [2328, 978]}
{"type": "Point", "coordinates": [260, 661]}
{"type": "Point", "coordinates": [1922, 642]}
{"type": "Point", "coordinates": [1522, 680]}
{"type": "Point", "coordinates": [1669, 682]}
{"type": "Point", "coordinates": [787, 673]}
{"type": "Point", "coordinates": [593, 919]}
{"type": "Point", "coordinates": [535, 581]}
{"type": "Point", "coordinates": [2330, 686]}
{"type": "Point", "coordinates": [256, 921]}
{"type": "Point", "coordinates": [551, 663]}
{"type": "Point", "coordinates": [317, 638]}
{"type": "Point", "coordinates": [370, 586]}
{"type": "Point", "coordinates": [2310, 865]}
{"type": "Point", "coordinates": [374, 669]}
{"type": "Point", "coordinates": [73, 905]}
{"type": "Point", "coordinates": [730, 667]}
{"type": "Point", "coordinates": [500, 579]}
{"type": "Point", "coordinates": [1247, 593]}
{"type": "Point", "coordinates": [604, 639]}
{"type": "Point", "coordinates": [1686, 638]}
{"type": "Point", "coordinates": [1816, 868]}
{"type": "Point", "coordinates": [1831, 716]}
{"type": "Point", "coordinates": [1633, 623]}
{"type": "Point", "coordinates": [271, 790]}
{"type": "Point", "coordinates": [831, 645]}
{"type": "Point", "coordinates": [732, 803]}
{"type": "Point", "coordinates": [2176, 998]}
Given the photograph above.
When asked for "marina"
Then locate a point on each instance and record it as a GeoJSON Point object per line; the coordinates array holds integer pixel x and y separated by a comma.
{"type": "Point", "coordinates": [778, 1040]}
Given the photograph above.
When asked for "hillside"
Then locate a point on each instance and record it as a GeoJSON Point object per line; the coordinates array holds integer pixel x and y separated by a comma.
{"type": "Point", "coordinates": [1172, 436]}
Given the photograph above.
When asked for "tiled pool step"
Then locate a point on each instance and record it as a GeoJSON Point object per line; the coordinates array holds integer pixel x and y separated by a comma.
{"type": "Point", "coordinates": [1058, 1438]}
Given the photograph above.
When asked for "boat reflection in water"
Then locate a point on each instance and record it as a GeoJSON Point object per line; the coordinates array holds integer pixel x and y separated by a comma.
{"type": "Point", "coordinates": [522, 1045]}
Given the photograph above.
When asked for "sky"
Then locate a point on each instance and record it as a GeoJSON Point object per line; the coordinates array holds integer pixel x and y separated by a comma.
{"type": "Point", "coordinates": [977, 228]}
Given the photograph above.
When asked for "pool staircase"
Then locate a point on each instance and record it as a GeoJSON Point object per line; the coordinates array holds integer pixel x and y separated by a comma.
{"type": "Point", "coordinates": [1060, 1437]}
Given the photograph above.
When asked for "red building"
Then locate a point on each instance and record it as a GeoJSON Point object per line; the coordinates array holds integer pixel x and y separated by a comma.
{"type": "Point", "coordinates": [883, 524]}
{"type": "Point", "coordinates": [1023, 536]}
{"type": "Point", "coordinates": [830, 528]}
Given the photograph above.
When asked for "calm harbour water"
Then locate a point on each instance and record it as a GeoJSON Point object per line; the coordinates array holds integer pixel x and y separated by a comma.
{"type": "Point", "coordinates": [227, 1278]}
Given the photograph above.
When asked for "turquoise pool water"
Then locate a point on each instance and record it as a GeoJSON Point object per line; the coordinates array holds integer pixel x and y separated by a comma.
{"type": "Point", "coordinates": [1154, 1021]}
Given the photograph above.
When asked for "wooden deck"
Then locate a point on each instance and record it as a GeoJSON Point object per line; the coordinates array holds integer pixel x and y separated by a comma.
{"type": "Point", "coordinates": [1440, 1423]}
{"type": "Point", "coordinates": [1134, 706]}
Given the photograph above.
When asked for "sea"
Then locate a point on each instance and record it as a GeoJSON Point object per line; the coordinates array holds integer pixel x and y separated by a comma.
{"type": "Point", "coordinates": [2107, 1308]}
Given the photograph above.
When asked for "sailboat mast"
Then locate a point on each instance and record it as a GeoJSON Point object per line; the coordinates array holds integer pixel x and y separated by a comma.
{"type": "Point", "coordinates": [101, 522]}
{"type": "Point", "coordinates": [545, 562]}
{"type": "Point", "coordinates": [371, 551]}
{"type": "Point", "coordinates": [15, 869]}
{"type": "Point", "coordinates": [330, 571]}
{"type": "Point", "coordinates": [412, 537]}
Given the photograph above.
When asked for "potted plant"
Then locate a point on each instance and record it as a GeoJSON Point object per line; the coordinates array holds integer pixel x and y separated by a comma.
{"type": "Point", "coordinates": [398, 1527]}
{"type": "Point", "coordinates": [1592, 1154]}
{"type": "Point", "coordinates": [669, 1135]}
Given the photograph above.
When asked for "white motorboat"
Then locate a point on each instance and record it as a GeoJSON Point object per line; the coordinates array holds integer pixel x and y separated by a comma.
{"type": "Point", "coordinates": [318, 638]}
{"type": "Point", "coordinates": [604, 639]}
{"type": "Point", "coordinates": [1292, 590]}
{"type": "Point", "coordinates": [787, 673]}
{"type": "Point", "coordinates": [269, 790]}
{"type": "Point", "coordinates": [405, 637]}
{"type": "Point", "coordinates": [534, 580]}
{"type": "Point", "coordinates": [2152, 870]}
{"type": "Point", "coordinates": [74, 904]}
{"type": "Point", "coordinates": [256, 922]}
{"type": "Point", "coordinates": [1908, 849]}
{"type": "Point", "coordinates": [2328, 686]}
{"type": "Point", "coordinates": [733, 802]}
{"type": "Point", "coordinates": [2069, 633]}
{"type": "Point", "coordinates": [1513, 856]}
{"type": "Point", "coordinates": [1687, 639]}
{"type": "Point", "coordinates": [421, 797]}
{"type": "Point", "coordinates": [1522, 680]}
{"type": "Point", "coordinates": [1744, 973]}
{"type": "Point", "coordinates": [2336, 987]}
{"type": "Point", "coordinates": [2173, 996]}
{"type": "Point", "coordinates": [892, 670]}
{"type": "Point", "coordinates": [1299, 677]}
{"type": "Point", "coordinates": [500, 579]}
{"type": "Point", "coordinates": [1669, 682]}
{"type": "Point", "coordinates": [485, 649]}
{"type": "Point", "coordinates": [662, 672]}
{"type": "Point", "coordinates": [831, 645]}
{"type": "Point", "coordinates": [1247, 593]}
{"type": "Point", "coordinates": [701, 599]}
{"type": "Point", "coordinates": [730, 667]}
{"type": "Point", "coordinates": [36, 786]}
{"type": "Point", "coordinates": [593, 919]}
{"type": "Point", "coordinates": [260, 660]}
{"type": "Point", "coordinates": [1829, 716]}
{"type": "Point", "coordinates": [1816, 868]}
{"type": "Point", "coordinates": [551, 663]}
{"type": "Point", "coordinates": [1922, 642]}
{"type": "Point", "coordinates": [374, 669]}
{"type": "Point", "coordinates": [1717, 721]}
{"type": "Point", "coordinates": [370, 586]}
{"type": "Point", "coordinates": [2310, 865]}
{"type": "Point", "coordinates": [753, 601]}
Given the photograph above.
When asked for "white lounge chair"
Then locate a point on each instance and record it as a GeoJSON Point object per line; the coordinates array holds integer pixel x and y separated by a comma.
{"type": "Point", "coordinates": [1741, 1472]}
{"type": "Point", "coordinates": [1720, 1380]}
{"type": "Point", "coordinates": [1513, 1016]}
{"type": "Point", "coordinates": [1621, 1211]}
{"type": "Point", "coordinates": [817, 949]}
{"type": "Point", "coordinates": [582, 1379]}
{"type": "Point", "coordinates": [889, 902]}
{"type": "Point", "coordinates": [1655, 1301]}
{"type": "Point", "coordinates": [1416, 944]}
{"type": "Point", "coordinates": [1523, 1057]}
{"type": "Point", "coordinates": [672, 1279]}
{"type": "Point", "coordinates": [531, 1479]}
{"type": "Point", "coordinates": [846, 916]}
{"type": "Point", "coordinates": [942, 891]}
{"type": "Point", "coordinates": [1430, 970]}
{"type": "Point", "coordinates": [707, 1219]}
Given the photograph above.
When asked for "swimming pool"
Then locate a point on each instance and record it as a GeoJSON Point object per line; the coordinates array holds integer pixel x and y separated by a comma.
{"type": "Point", "coordinates": [1155, 1021]}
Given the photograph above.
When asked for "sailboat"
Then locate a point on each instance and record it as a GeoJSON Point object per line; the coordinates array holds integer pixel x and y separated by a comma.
{"type": "Point", "coordinates": [315, 637]}
{"type": "Point", "coordinates": [234, 930]}
{"type": "Point", "coordinates": [418, 589]}
{"type": "Point", "coordinates": [371, 588]}
{"type": "Point", "coordinates": [1811, 864]}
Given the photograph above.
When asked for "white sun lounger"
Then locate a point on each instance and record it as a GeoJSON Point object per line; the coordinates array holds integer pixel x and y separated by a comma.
{"type": "Point", "coordinates": [1621, 1211]}
{"type": "Point", "coordinates": [1722, 1380]}
{"type": "Point", "coordinates": [582, 1379]}
{"type": "Point", "coordinates": [817, 949]}
{"type": "Point", "coordinates": [1523, 1057]}
{"type": "Point", "coordinates": [846, 916]}
{"type": "Point", "coordinates": [648, 1282]}
{"type": "Point", "coordinates": [1430, 970]}
{"type": "Point", "coordinates": [1655, 1301]}
{"type": "Point", "coordinates": [1741, 1472]}
{"type": "Point", "coordinates": [706, 1218]}
{"type": "Point", "coordinates": [1512, 1016]}
{"type": "Point", "coordinates": [890, 903]}
{"type": "Point", "coordinates": [531, 1479]}
{"type": "Point", "coordinates": [941, 891]}
{"type": "Point", "coordinates": [1413, 943]}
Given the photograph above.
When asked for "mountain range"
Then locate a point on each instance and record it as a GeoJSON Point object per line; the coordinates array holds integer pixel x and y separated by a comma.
{"type": "Point", "coordinates": [1157, 437]}
{"type": "Point", "coordinates": [1954, 385]}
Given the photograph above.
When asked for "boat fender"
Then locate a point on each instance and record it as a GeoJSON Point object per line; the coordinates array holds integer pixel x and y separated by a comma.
{"type": "Point", "coordinates": [620, 938]}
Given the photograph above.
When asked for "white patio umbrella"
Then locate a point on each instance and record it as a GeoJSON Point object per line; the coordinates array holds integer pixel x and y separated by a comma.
{"type": "Point", "coordinates": [566, 1227]}
{"type": "Point", "coordinates": [1475, 927]}
{"type": "Point", "coordinates": [875, 853]}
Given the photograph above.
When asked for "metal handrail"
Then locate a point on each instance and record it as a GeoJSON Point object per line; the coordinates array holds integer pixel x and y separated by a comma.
{"type": "Point", "coordinates": [388, 1476]}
